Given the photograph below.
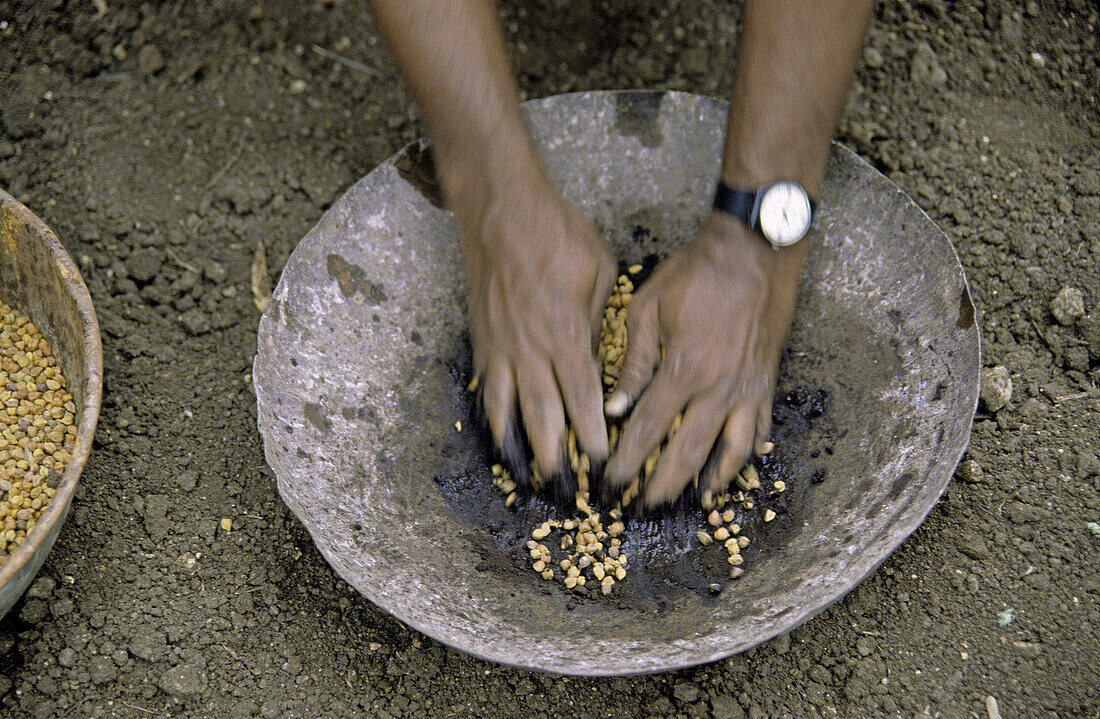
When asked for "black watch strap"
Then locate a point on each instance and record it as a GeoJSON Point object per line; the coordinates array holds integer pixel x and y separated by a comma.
{"type": "Point", "coordinates": [739, 203]}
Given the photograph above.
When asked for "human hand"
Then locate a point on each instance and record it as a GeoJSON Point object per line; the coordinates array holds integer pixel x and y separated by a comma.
{"type": "Point", "coordinates": [537, 277]}
{"type": "Point", "coordinates": [704, 337]}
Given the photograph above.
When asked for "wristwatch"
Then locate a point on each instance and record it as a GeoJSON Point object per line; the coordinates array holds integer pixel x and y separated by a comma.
{"type": "Point", "coordinates": [781, 211]}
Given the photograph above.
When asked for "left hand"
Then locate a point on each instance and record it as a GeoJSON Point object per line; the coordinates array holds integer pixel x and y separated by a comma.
{"type": "Point", "coordinates": [704, 337]}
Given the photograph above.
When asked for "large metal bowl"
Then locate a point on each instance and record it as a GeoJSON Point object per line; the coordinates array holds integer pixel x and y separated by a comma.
{"type": "Point", "coordinates": [362, 362]}
{"type": "Point", "coordinates": [39, 280]}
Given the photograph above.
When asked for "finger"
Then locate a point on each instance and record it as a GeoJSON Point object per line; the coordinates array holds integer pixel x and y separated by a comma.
{"type": "Point", "coordinates": [605, 281]}
{"type": "Point", "coordinates": [732, 449]}
{"type": "Point", "coordinates": [543, 416]}
{"type": "Point", "coordinates": [643, 351]}
{"type": "Point", "coordinates": [684, 457]}
{"type": "Point", "coordinates": [498, 399]}
{"type": "Point", "coordinates": [763, 426]}
{"type": "Point", "coordinates": [579, 381]}
{"type": "Point", "coordinates": [647, 426]}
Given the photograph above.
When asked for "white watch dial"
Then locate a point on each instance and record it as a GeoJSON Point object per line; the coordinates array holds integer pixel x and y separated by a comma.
{"type": "Point", "coordinates": [784, 214]}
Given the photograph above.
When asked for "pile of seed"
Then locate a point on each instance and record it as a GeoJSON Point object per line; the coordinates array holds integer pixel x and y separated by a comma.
{"type": "Point", "coordinates": [37, 427]}
{"type": "Point", "coordinates": [591, 551]}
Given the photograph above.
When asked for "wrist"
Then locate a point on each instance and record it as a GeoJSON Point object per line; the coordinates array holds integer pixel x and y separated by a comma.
{"type": "Point", "coordinates": [730, 243]}
{"type": "Point", "coordinates": [480, 177]}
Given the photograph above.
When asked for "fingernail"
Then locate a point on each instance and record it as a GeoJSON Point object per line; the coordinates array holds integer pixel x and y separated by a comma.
{"type": "Point", "coordinates": [617, 404]}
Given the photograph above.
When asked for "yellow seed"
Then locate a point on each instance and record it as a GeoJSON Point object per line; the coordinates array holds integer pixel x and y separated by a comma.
{"type": "Point", "coordinates": [507, 486]}
{"type": "Point", "coordinates": [227, 524]}
{"type": "Point", "coordinates": [548, 574]}
{"type": "Point", "coordinates": [742, 542]}
{"type": "Point", "coordinates": [704, 538]}
{"type": "Point", "coordinates": [597, 571]}
{"type": "Point", "coordinates": [732, 546]}
{"type": "Point", "coordinates": [767, 447]}
{"type": "Point", "coordinates": [540, 532]}
{"type": "Point", "coordinates": [458, 426]}
{"type": "Point", "coordinates": [714, 518]}
{"type": "Point", "coordinates": [539, 566]}
{"type": "Point", "coordinates": [779, 485]}
{"type": "Point", "coordinates": [735, 559]}
{"type": "Point", "coordinates": [749, 504]}
{"type": "Point", "coordinates": [728, 515]}
{"type": "Point", "coordinates": [615, 529]}
{"type": "Point", "coordinates": [497, 470]}
{"type": "Point", "coordinates": [721, 534]}
{"type": "Point", "coordinates": [573, 572]}
{"type": "Point", "coordinates": [620, 573]}
{"type": "Point", "coordinates": [769, 515]}
{"type": "Point", "coordinates": [735, 528]}
{"type": "Point", "coordinates": [752, 477]}
{"type": "Point", "coordinates": [570, 582]}
{"type": "Point", "coordinates": [634, 269]}
{"type": "Point", "coordinates": [472, 387]}
{"type": "Point", "coordinates": [510, 500]}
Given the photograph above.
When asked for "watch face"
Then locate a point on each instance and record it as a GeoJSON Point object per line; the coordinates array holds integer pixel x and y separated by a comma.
{"type": "Point", "coordinates": [784, 213]}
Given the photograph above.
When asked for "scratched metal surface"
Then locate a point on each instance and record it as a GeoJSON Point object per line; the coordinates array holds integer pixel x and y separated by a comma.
{"type": "Point", "coordinates": [362, 358]}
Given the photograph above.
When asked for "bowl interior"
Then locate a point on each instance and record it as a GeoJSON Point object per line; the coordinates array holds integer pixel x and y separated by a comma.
{"type": "Point", "coordinates": [362, 361]}
{"type": "Point", "coordinates": [40, 280]}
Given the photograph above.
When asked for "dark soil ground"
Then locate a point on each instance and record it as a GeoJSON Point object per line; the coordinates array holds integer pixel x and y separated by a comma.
{"type": "Point", "coordinates": [162, 142]}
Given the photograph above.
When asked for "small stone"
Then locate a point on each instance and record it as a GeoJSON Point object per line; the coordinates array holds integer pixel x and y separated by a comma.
{"type": "Point", "coordinates": [182, 681]}
{"type": "Point", "coordinates": [996, 388]}
{"type": "Point", "coordinates": [144, 264]}
{"type": "Point", "coordinates": [973, 546]}
{"type": "Point", "coordinates": [970, 471]}
{"type": "Point", "coordinates": [872, 58]}
{"type": "Point", "coordinates": [150, 60]}
{"type": "Point", "coordinates": [685, 692]}
{"type": "Point", "coordinates": [67, 657]}
{"type": "Point", "coordinates": [34, 611]}
{"type": "Point", "coordinates": [925, 68]}
{"type": "Point", "coordinates": [1068, 305]}
{"type": "Point", "coordinates": [1037, 60]}
{"type": "Point", "coordinates": [865, 646]}
{"type": "Point", "coordinates": [195, 321]}
{"type": "Point", "coordinates": [723, 706]}
{"type": "Point", "coordinates": [102, 670]}
{"type": "Point", "coordinates": [41, 588]}
{"type": "Point", "coordinates": [187, 480]}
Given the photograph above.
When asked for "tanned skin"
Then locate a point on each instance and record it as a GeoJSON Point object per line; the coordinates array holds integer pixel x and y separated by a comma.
{"type": "Point", "coordinates": [538, 275]}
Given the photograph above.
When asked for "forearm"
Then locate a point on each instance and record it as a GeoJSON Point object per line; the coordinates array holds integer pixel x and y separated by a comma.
{"type": "Point", "coordinates": [453, 58]}
{"type": "Point", "coordinates": [794, 65]}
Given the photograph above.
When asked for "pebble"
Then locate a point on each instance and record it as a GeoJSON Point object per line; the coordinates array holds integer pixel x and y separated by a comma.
{"type": "Point", "coordinates": [685, 692]}
{"type": "Point", "coordinates": [973, 546]}
{"type": "Point", "coordinates": [42, 588]}
{"type": "Point", "coordinates": [970, 471]}
{"type": "Point", "coordinates": [925, 68]}
{"type": "Point", "coordinates": [872, 58]}
{"type": "Point", "coordinates": [102, 670]}
{"type": "Point", "coordinates": [996, 389]}
{"type": "Point", "coordinates": [1068, 305]}
{"type": "Point", "coordinates": [150, 60]}
{"type": "Point", "coordinates": [184, 680]}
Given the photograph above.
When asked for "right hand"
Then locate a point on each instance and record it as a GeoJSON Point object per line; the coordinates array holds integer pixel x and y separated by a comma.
{"type": "Point", "coordinates": [538, 277]}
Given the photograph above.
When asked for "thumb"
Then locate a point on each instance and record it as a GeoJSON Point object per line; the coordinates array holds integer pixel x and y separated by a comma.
{"type": "Point", "coordinates": [643, 351]}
